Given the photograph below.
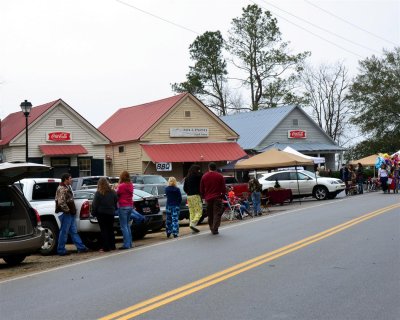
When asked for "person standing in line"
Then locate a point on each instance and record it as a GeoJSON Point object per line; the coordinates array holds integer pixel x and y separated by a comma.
{"type": "Point", "coordinates": [360, 178]}
{"type": "Point", "coordinates": [396, 177]}
{"type": "Point", "coordinates": [65, 204]}
{"type": "Point", "coordinates": [191, 186]}
{"type": "Point", "coordinates": [125, 206]}
{"type": "Point", "coordinates": [174, 199]}
{"type": "Point", "coordinates": [213, 189]}
{"type": "Point", "coordinates": [383, 176]}
{"type": "Point", "coordinates": [344, 176]}
{"type": "Point", "coordinates": [104, 206]}
{"type": "Point", "coordinates": [255, 188]}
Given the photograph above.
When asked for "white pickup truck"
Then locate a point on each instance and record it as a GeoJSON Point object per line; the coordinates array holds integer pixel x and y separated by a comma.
{"type": "Point", "coordinates": [40, 192]}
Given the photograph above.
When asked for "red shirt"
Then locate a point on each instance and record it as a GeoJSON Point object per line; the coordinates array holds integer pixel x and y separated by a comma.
{"type": "Point", "coordinates": [212, 186]}
{"type": "Point", "coordinates": [125, 194]}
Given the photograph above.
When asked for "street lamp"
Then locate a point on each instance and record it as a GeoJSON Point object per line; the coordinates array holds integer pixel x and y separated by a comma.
{"type": "Point", "coordinates": [26, 108]}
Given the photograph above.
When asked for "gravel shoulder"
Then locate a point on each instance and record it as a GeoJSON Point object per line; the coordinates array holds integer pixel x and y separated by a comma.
{"type": "Point", "coordinates": [36, 263]}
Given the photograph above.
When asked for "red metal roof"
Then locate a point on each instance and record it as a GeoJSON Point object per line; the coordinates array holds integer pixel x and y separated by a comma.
{"type": "Point", "coordinates": [62, 150]}
{"type": "Point", "coordinates": [14, 123]}
{"type": "Point", "coordinates": [194, 152]}
{"type": "Point", "coordinates": [129, 124]}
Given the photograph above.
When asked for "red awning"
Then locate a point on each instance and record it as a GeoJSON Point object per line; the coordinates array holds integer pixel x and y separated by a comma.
{"type": "Point", "coordinates": [62, 150]}
{"type": "Point", "coordinates": [194, 152]}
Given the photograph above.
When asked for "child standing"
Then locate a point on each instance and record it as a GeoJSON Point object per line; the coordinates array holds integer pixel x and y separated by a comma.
{"type": "Point", "coordinates": [174, 199]}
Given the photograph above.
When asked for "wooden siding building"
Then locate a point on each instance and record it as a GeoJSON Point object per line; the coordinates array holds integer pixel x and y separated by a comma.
{"type": "Point", "coordinates": [166, 137]}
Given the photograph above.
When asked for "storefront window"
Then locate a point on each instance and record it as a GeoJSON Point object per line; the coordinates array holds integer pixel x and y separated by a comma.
{"type": "Point", "coordinates": [84, 167]}
{"type": "Point", "coordinates": [60, 162]}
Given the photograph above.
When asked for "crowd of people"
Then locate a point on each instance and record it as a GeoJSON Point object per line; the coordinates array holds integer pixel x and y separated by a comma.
{"type": "Point", "coordinates": [389, 172]}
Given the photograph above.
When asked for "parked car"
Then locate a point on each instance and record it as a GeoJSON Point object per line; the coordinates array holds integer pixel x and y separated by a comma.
{"type": "Point", "coordinates": [40, 192]}
{"type": "Point", "coordinates": [304, 183]}
{"type": "Point", "coordinates": [145, 203]}
{"type": "Point", "coordinates": [85, 182]}
{"type": "Point", "coordinates": [158, 190]}
{"type": "Point", "coordinates": [241, 189]}
{"type": "Point", "coordinates": [21, 233]}
{"type": "Point", "coordinates": [148, 179]}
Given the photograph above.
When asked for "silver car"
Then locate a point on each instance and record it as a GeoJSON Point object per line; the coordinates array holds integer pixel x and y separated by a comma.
{"type": "Point", "coordinates": [20, 231]}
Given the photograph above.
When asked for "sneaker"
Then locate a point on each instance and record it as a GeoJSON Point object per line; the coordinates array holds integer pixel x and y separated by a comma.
{"type": "Point", "coordinates": [194, 229]}
{"type": "Point", "coordinates": [214, 232]}
{"type": "Point", "coordinates": [123, 248]}
{"type": "Point", "coordinates": [176, 236]}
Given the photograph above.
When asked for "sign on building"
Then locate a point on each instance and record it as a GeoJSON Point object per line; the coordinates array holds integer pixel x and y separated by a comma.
{"type": "Point", "coordinates": [58, 136]}
{"type": "Point", "coordinates": [297, 134]}
{"type": "Point", "coordinates": [164, 166]}
{"type": "Point", "coordinates": [188, 132]}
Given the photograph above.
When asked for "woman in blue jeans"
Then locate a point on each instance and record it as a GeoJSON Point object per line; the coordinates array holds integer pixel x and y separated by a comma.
{"type": "Point", "coordinates": [125, 206]}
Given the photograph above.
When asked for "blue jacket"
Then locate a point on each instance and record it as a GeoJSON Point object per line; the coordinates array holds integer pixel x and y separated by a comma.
{"type": "Point", "coordinates": [174, 196]}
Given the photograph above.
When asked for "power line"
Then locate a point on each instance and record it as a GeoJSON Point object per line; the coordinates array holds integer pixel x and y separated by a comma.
{"type": "Point", "coordinates": [323, 29]}
{"type": "Point", "coordinates": [350, 23]}
{"type": "Point", "coordinates": [157, 17]}
{"type": "Point", "coordinates": [314, 34]}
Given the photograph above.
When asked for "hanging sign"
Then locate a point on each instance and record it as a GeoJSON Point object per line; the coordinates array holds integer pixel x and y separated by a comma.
{"type": "Point", "coordinates": [58, 136]}
{"type": "Point", "coordinates": [164, 166]}
{"type": "Point", "coordinates": [297, 134]}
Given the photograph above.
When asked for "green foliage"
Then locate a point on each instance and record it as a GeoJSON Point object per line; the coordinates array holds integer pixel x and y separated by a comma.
{"type": "Point", "coordinates": [375, 94]}
{"type": "Point", "coordinates": [382, 144]}
{"type": "Point", "coordinates": [207, 78]}
{"type": "Point", "coordinates": [255, 41]}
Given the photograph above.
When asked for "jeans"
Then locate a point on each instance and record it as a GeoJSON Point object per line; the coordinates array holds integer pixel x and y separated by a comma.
{"type": "Point", "coordinates": [124, 214]}
{"type": "Point", "coordinates": [360, 185]}
{"type": "Point", "coordinates": [256, 198]}
{"type": "Point", "coordinates": [68, 226]}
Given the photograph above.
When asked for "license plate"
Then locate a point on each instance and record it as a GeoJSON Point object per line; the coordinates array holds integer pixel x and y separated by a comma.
{"type": "Point", "coordinates": [146, 210]}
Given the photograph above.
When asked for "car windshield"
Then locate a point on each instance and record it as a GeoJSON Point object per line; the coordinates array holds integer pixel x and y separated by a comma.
{"type": "Point", "coordinates": [150, 179]}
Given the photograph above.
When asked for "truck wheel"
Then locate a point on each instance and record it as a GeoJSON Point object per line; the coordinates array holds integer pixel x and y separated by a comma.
{"type": "Point", "coordinates": [50, 239]}
{"type": "Point", "coordinates": [14, 260]}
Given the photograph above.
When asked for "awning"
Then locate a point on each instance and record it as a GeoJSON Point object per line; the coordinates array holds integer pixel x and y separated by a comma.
{"type": "Point", "coordinates": [62, 150]}
{"type": "Point", "coordinates": [194, 152]}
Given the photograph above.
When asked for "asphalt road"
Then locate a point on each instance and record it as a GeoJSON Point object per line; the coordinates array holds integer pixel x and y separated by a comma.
{"type": "Point", "coordinates": [336, 259]}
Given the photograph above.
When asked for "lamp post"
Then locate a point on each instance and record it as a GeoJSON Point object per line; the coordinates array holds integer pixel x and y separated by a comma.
{"type": "Point", "coordinates": [26, 108]}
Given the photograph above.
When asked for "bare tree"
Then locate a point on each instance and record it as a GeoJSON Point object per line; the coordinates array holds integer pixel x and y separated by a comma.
{"type": "Point", "coordinates": [326, 94]}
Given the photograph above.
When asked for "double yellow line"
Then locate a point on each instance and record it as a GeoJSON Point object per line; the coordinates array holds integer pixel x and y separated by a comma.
{"type": "Point", "coordinates": [173, 295]}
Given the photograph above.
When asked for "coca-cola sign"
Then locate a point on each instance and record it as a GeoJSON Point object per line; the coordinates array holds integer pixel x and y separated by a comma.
{"type": "Point", "coordinates": [297, 134]}
{"type": "Point", "coordinates": [59, 136]}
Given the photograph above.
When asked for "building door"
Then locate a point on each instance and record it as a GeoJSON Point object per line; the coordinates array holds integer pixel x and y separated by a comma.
{"type": "Point", "coordinates": [60, 166]}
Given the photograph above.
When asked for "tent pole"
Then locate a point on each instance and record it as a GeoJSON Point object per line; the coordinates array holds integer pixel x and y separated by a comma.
{"type": "Point", "coordinates": [298, 186]}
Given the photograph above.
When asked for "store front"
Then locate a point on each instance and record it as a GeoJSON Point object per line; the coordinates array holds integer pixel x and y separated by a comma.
{"type": "Point", "coordinates": [58, 137]}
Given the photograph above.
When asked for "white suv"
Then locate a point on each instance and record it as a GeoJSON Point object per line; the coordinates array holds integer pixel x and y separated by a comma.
{"type": "Point", "coordinates": [303, 183]}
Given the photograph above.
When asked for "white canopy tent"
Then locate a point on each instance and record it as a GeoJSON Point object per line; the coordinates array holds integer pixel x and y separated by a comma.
{"type": "Point", "coordinates": [316, 160]}
{"type": "Point", "coordinates": [398, 152]}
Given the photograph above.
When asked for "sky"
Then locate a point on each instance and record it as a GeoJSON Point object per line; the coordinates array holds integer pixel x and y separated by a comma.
{"type": "Point", "coordinates": [102, 55]}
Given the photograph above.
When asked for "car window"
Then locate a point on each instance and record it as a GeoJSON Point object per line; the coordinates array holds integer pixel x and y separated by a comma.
{"type": "Point", "coordinates": [298, 176]}
{"type": "Point", "coordinates": [230, 180]}
{"type": "Point", "coordinates": [5, 198]}
{"type": "Point", "coordinates": [74, 184]}
{"type": "Point", "coordinates": [90, 181]}
{"type": "Point", "coordinates": [84, 195]}
{"type": "Point", "coordinates": [279, 176]}
{"type": "Point", "coordinates": [44, 190]}
{"type": "Point", "coordinates": [154, 179]}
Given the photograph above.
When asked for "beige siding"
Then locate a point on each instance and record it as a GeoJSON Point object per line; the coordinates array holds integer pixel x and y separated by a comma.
{"type": "Point", "coordinates": [129, 160]}
{"type": "Point", "coordinates": [199, 118]}
{"type": "Point", "coordinates": [81, 132]}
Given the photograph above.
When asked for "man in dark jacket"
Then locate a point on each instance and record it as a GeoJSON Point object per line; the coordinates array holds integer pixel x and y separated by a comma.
{"type": "Point", "coordinates": [213, 189]}
{"type": "Point", "coordinates": [344, 176]}
{"type": "Point", "coordinates": [66, 205]}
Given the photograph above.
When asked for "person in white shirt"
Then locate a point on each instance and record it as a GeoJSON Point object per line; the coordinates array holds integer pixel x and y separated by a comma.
{"type": "Point", "coordinates": [383, 175]}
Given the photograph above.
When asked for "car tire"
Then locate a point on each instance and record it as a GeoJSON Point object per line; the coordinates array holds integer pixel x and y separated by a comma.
{"type": "Point", "coordinates": [92, 240]}
{"type": "Point", "coordinates": [51, 238]}
{"type": "Point", "coordinates": [321, 193]}
{"type": "Point", "coordinates": [15, 259]}
{"type": "Point", "coordinates": [138, 233]}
